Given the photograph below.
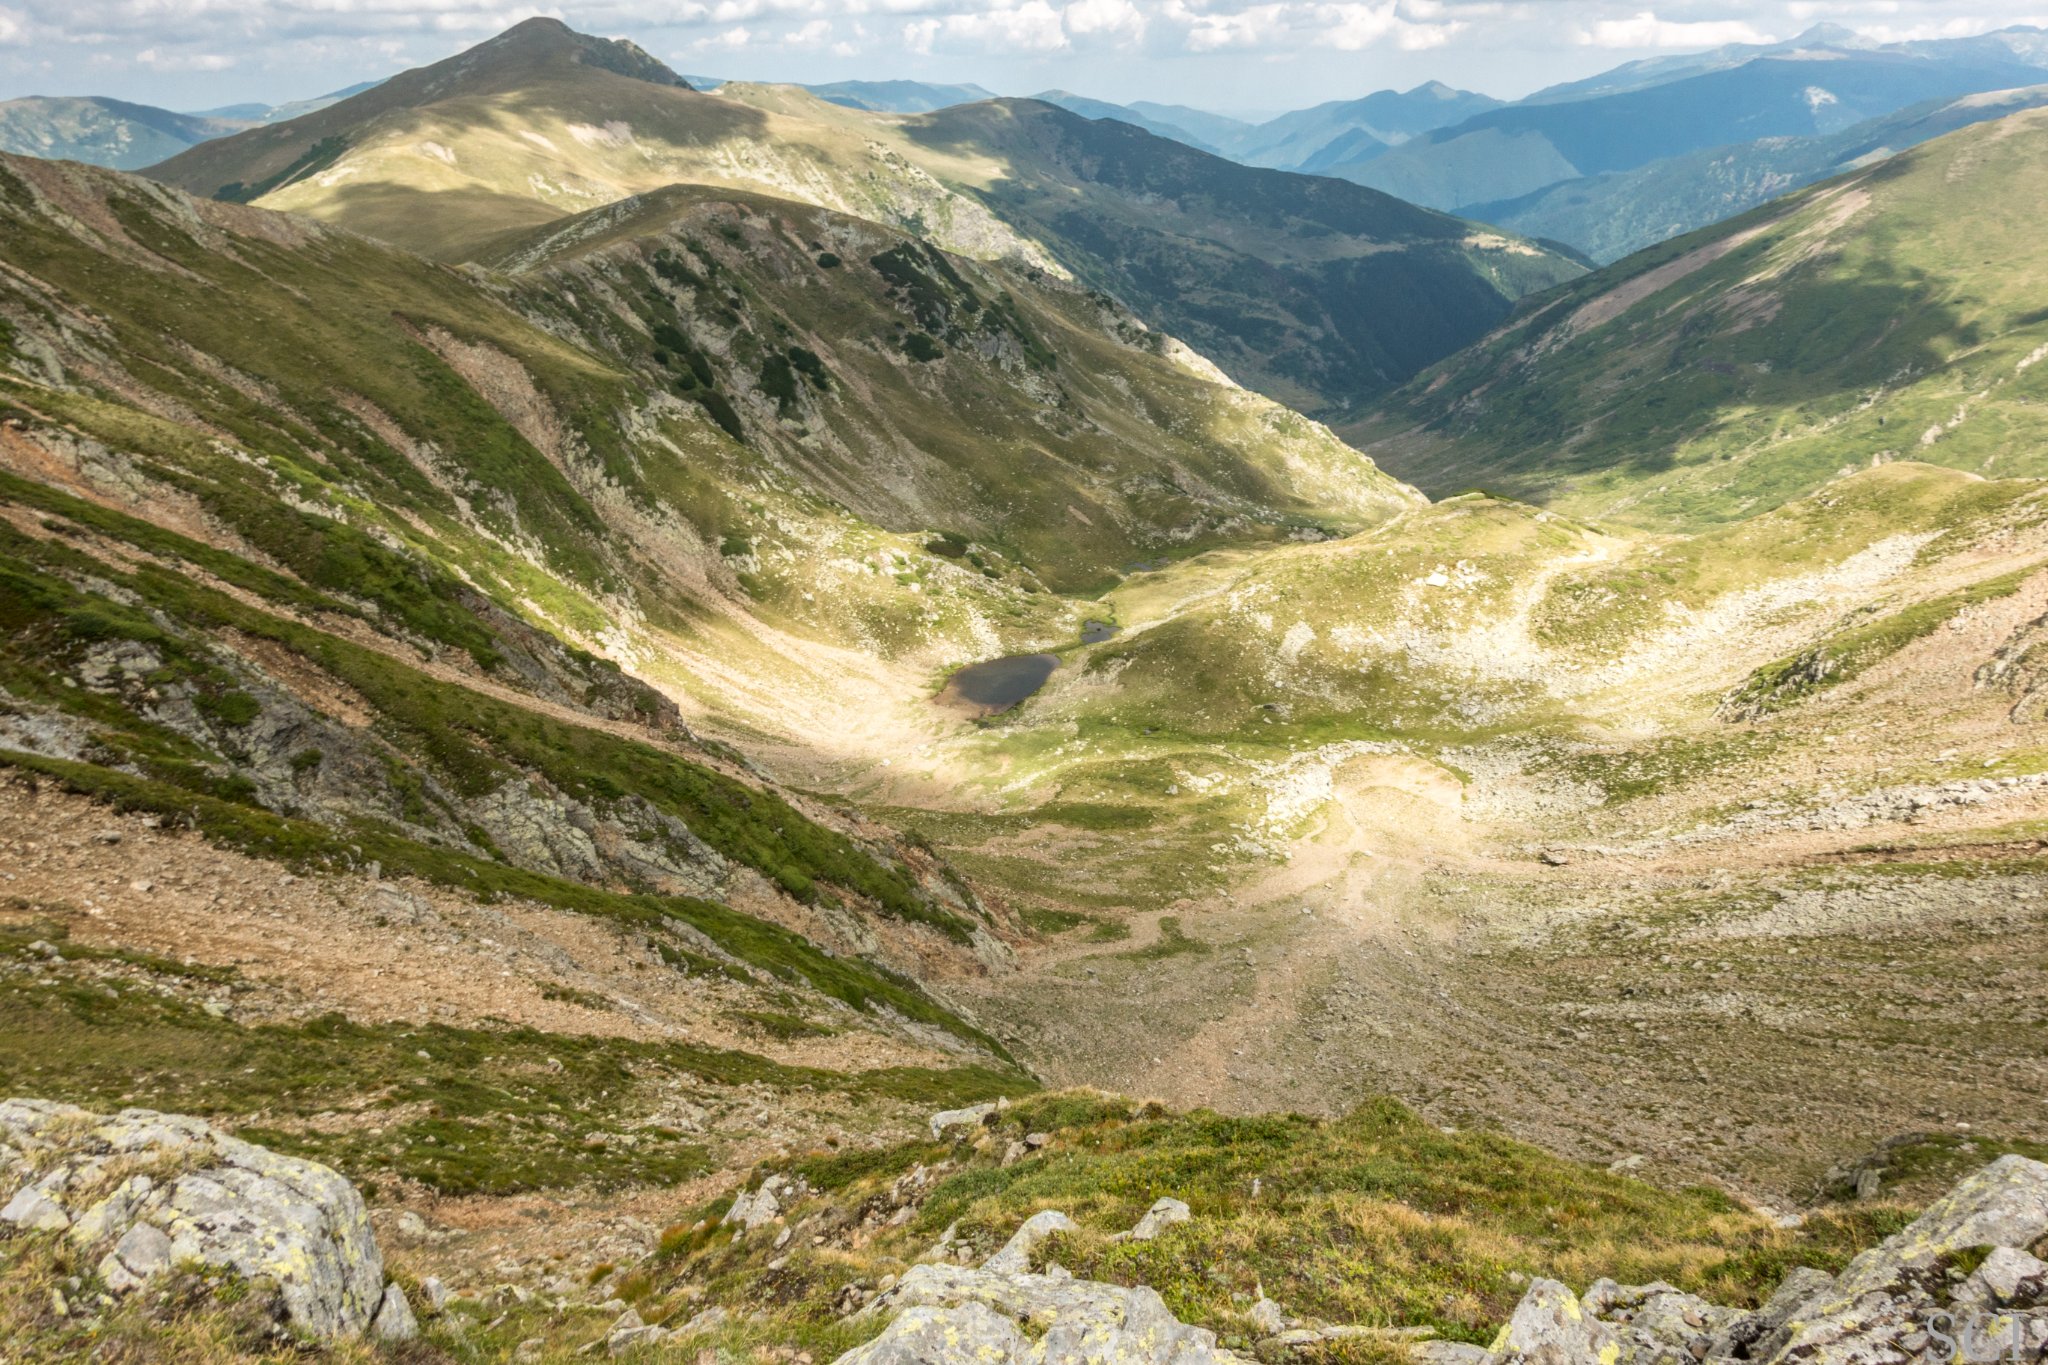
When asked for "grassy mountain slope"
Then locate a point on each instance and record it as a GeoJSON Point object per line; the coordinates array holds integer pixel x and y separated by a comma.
{"type": "Point", "coordinates": [1514, 151]}
{"type": "Point", "coordinates": [723, 437]}
{"type": "Point", "coordinates": [919, 390]}
{"type": "Point", "coordinates": [1101, 109]}
{"type": "Point", "coordinates": [531, 57]}
{"type": "Point", "coordinates": [275, 610]}
{"type": "Point", "coordinates": [1376, 1217]}
{"type": "Point", "coordinates": [1859, 321]}
{"type": "Point", "coordinates": [1611, 216]}
{"type": "Point", "coordinates": [103, 132]}
{"type": "Point", "coordinates": [1313, 293]}
{"type": "Point", "coordinates": [1298, 286]}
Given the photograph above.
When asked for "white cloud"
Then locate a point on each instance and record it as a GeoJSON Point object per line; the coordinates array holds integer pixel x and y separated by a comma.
{"type": "Point", "coordinates": [183, 61]}
{"type": "Point", "coordinates": [1504, 46]}
{"type": "Point", "coordinates": [1254, 27]}
{"type": "Point", "coordinates": [732, 40]}
{"type": "Point", "coordinates": [1645, 29]}
{"type": "Point", "coordinates": [1413, 25]}
{"type": "Point", "coordinates": [1033, 26]}
{"type": "Point", "coordinates": [1117, 18]}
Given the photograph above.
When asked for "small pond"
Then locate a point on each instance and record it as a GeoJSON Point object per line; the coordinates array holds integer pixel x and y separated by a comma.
{"type": "Point", "coordinates": [999, 684]}
{"type": "Point", "coordinates": [1095, 632]}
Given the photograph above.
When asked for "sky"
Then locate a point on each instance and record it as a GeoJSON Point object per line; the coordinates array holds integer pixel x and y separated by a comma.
{"type": "Point", "coordinates": [1233, 56]}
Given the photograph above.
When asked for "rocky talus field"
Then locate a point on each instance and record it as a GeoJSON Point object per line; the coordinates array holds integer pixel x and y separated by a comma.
{"type": "Point", "coordinates": [646, 725]}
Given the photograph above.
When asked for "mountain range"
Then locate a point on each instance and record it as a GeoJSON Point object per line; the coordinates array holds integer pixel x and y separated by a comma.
{"type": "Point", "coordinates": [1259, 270]}
{"type": "Point", "coordinates": [641, 721]}
{"type": "Point", "coordinates": [1604, 166]}
{"type": "Point", "coordinates": [107, 132]}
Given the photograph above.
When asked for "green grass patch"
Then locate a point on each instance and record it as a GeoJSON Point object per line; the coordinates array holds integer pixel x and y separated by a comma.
{"type": "Point", "coordinates": [459, 1110]}
{"type": "Point", "coordinates": [1374, 1218]}
{"type": "Point", "coordinates": [1173, 941]}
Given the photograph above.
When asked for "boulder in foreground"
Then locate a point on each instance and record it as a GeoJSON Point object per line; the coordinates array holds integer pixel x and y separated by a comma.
{"type": "Point", "coordinates": [146, 1193]}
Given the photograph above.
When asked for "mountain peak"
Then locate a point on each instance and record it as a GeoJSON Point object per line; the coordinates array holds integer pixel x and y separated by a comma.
{"type": "Point", "coordinates": [545, 41]}
{"type": "Point", "coordinates": [1829, 35]}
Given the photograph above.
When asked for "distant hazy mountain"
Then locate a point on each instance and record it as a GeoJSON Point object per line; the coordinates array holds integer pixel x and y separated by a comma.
{"type": "Point", "coordinates": [1124, 113]}
{"type": "Point", "coordinates": [1346, 149]}
{"type": "Point", "coordinates": [1518, 150]}
{"type": "Point", "coordinates": [883, 97]}
{"type": "Point", "coordinates": [1214, 129]}
{"type": "Point", "coordinates": [1821, 42]}
{"type": "Point", "coordinates": [898, 97]}
{"type": "Point", "coordinates": [101, 131]}
{"type": "Point", "coordinates": [1610, 216]}
{"type": "Point", "coordinates": [1387, 117]}
{"type": "Point", "coordinates": [280, 113]}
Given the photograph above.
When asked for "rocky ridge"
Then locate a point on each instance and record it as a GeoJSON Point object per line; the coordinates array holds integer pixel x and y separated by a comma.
{"type": "Point", "coordinates": [1958, 1280]}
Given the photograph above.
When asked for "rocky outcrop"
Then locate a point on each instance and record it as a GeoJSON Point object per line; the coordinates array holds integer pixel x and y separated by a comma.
{"type": "Point", "coordinates": [753, 1208]}
{"type": "Point", "coordinates": [142, 1194]}
{"type": "Point", "coordinates": [1906, 1299]}
{"type": "Point", "coordinates": [1163, 1214]}
{"type": "Point", "coordinates": [2020, 668]}
{"type": "Point", "coordinates": [1003, 1313]}
{"type": "Point", "coordinates": [973, 1116]}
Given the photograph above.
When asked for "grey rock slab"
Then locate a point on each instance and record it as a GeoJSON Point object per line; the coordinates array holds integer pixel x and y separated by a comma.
{"type": "Point", "coordinates": [1448, 1353]}
{"type": "Point", "coordinates": [1551, 1327]}
{"type": "Point", "coordinates": [394, 1320]}
{"type": "Point", "coordinates": [1015, 1256]}
{"type": "Point", "coordinates": [932, 1335]}
{"type": "Point", "coordinates": [142, 1254]}
{"type": "Point", "coordinates": [2010, 1278]}
{"type": "Point", "coordinates": [31, 1210]}
{"type": "Point", "coordinates": [2003, 1205]}
{"type": "Point", "coordinates": [213, 1200]}
{"type": "Point", "coordinates": [973, 1116]}
{"type": "Point", "coordinates": [1002, 1314]}
{"type": "Point", "coordinates": [1161, 1216]}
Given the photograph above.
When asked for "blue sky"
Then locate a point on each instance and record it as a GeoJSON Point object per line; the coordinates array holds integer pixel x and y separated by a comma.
{"type": "Point", "coordinates": [1233, 55]}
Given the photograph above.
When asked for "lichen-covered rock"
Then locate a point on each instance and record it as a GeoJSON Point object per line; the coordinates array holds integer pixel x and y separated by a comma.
{"type": "Point", "coordinates": [2003, 1205]}
{"type": "Point", "coordinates": [394, 1320]}
{"type": "Point", "coordinates": [1887, 1292]}
{"type": "Point", "coordinates": [1889, 1306]}
{"type": "Point", "coordinates": [1448, 1353]}
{"type": "Point", "coordinates": [755, 1208]}
{"type": "Point", "coordinates": [1802, 1286]}
{"type": "Point", "coordinates": [1657, 1324]}
{"type": "Point", "coordinates": [944, 1336]}
{"type": "Point", "coordinates": [2009, 1278]}
{"type": "Point", "coordinates": [143, 1192]}
{"type": "Point", "coordinates": [1551, 1327]}
{"type": "Point", "coordinates": [1003, 1314]}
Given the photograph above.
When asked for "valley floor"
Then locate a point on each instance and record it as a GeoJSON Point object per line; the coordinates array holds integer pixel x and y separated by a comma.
{"type": "Point", "coordinates": [1751, 1014]}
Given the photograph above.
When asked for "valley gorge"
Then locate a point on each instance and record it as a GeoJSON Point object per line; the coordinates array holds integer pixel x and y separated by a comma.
{"type": "Point", "coordinates": [705, 724]}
